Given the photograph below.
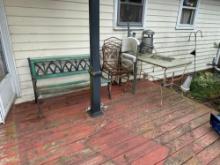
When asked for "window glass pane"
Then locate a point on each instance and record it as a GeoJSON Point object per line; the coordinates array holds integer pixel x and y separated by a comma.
{"type": "Point", "coordinates": [133, 1]}
{"type": "Point", "coordinates": [190, 3]}
{"type": "Point", "coordinates": [136, 1]}
{"type": "Point", "coordinates": [3, 70]}
{"type": "Point", "coordinates": [130, 12]}
{"type": "Point", "coordinates": [187, 16]}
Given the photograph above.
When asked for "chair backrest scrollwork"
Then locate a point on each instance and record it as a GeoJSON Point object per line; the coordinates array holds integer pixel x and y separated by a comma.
{"type": "Point", "coordinates": [111, 50]}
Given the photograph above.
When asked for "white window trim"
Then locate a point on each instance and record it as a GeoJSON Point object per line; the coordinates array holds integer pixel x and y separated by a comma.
{"type": "Point", "coordinates": [116, 27]}
{"type": "Point", "coordinates": [186, 26]}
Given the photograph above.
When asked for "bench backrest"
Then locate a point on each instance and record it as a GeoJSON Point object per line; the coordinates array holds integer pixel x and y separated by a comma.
{"type": "Point", "coordinates": [51, 67]}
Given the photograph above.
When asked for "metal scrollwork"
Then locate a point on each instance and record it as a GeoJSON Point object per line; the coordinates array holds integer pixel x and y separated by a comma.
{"type": "Point", "coordinates": [61, 66]}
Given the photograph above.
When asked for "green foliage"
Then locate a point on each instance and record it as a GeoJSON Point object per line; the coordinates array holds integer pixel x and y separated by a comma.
{"type": "Point", "coordinates": [205, 86]}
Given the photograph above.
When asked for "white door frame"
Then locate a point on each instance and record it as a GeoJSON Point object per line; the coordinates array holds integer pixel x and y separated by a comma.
{"type": "Point", "coordinates": [7, 47]}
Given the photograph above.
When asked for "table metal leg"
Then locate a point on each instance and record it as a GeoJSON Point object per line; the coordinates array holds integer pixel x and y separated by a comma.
{"type": "Point", "coordinates": [135, 78]}
{"type": "Point", "coordinates": [161, 95]}
{"type": "Point", "coordinates": [172, 80]}
{"type": "Point", "coordinates": [184, 71]}
{"type": "Point", "coordinates": [165, 77]}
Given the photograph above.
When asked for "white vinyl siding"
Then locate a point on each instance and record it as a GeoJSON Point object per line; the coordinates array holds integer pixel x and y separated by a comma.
{"type": "Point", "coordinates": [49, 27]}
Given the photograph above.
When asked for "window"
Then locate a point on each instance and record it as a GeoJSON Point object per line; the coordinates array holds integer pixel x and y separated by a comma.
{"type": "Point", "coordinates": [187, 14]}
{"type": "Point", "coordinates": [131, 11]}
{"type": "Point", "coordinates": [3, 68]}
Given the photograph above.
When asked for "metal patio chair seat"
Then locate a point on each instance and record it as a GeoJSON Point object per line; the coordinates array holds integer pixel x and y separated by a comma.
{"type": "Point", "coordinates": [112, 64]}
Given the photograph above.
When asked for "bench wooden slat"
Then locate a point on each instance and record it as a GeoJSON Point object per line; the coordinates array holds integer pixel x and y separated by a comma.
{"type": "Point", "coordinates": [69, 86]}
{"type": "Point", "coordinates": [57, 75]}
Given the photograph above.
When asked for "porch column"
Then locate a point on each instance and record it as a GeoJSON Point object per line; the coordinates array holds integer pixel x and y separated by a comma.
{"type": "Point", "coordinates": [95, 70]}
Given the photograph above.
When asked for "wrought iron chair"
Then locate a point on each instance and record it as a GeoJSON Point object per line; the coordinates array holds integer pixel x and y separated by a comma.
{"type": "Point", "coordinates": [112, 65]}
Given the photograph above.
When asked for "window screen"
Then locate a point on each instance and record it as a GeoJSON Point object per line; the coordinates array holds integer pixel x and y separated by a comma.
{"type": "Point", "coordinates": [188, 12]}
{"type": "Point", "coordinates": [130, 11]}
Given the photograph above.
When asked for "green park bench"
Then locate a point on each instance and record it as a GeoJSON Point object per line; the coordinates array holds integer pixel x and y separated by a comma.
{"type": "Point", "coordinates": [58, 67]}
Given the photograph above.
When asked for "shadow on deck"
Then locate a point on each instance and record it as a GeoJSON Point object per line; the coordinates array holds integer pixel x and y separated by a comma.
{"type": "Point", "coordinates": [133, 130]}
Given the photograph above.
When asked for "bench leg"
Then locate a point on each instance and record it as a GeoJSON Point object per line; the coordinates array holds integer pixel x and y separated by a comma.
{"type": "Point", "coordinates": [37, 101]}
{"type": "Point", "coordinates": [109, 90]}
{"type": "Point", "coordinates": [36, 98]}
{"type": "Point", "coordinates": [39, 113]}
{"type": "Point", "coordinates": [35, 91]}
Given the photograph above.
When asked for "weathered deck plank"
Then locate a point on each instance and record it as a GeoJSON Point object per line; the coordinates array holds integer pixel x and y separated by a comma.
{"type": "Point", "coordinates": [134, 129]}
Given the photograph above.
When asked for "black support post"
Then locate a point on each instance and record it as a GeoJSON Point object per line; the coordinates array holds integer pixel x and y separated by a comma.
{"type": "Point", "coordinates": [95, 70]}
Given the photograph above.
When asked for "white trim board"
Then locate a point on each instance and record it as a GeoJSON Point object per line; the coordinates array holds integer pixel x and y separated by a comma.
{"type": "Point", "coordinates": [7, 96]}
{"type": "Point", "coordinates": [7, 46]}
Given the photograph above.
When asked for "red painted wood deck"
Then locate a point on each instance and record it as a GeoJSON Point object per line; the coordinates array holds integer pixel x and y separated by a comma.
{"type": "Point", "coordinates": [133, 130]}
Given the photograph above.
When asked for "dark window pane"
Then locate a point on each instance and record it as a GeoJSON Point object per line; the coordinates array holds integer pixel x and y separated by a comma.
{"type": "Point", "coordinates": [133, 1]}
{"type": "Point", "coordinates": [190, 3]}
{"type": "Point", "coordinates": [187, 16]}
{"type": "Point", "coordinates": [131, 13]}
{"type": "Point", "coordinates": [3, 70]}
{"type": "Point", "coordinates": [136, 1]}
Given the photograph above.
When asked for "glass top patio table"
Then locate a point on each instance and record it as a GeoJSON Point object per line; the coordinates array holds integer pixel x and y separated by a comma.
{"type": "Point", "coordinates": [162, 61]}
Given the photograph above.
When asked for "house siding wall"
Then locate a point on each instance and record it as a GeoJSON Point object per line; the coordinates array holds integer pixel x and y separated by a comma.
{"type": "Point", "coordinates": [60, 27]}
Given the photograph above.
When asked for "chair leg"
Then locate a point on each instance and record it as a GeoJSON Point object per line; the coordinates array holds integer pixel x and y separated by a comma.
{"type": "Point", "coordinates": [110, 77]}
{"type": "Point", "coordinates": [35, 90]}
{"type": "Point", "coordinates": [127, 85]}
{"type": "Point", "coordinates": [109, 90]}
{"type": "Point", "coordinates": [119, 80]}
{"type": "Point", "coordinates": [35, 98]}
